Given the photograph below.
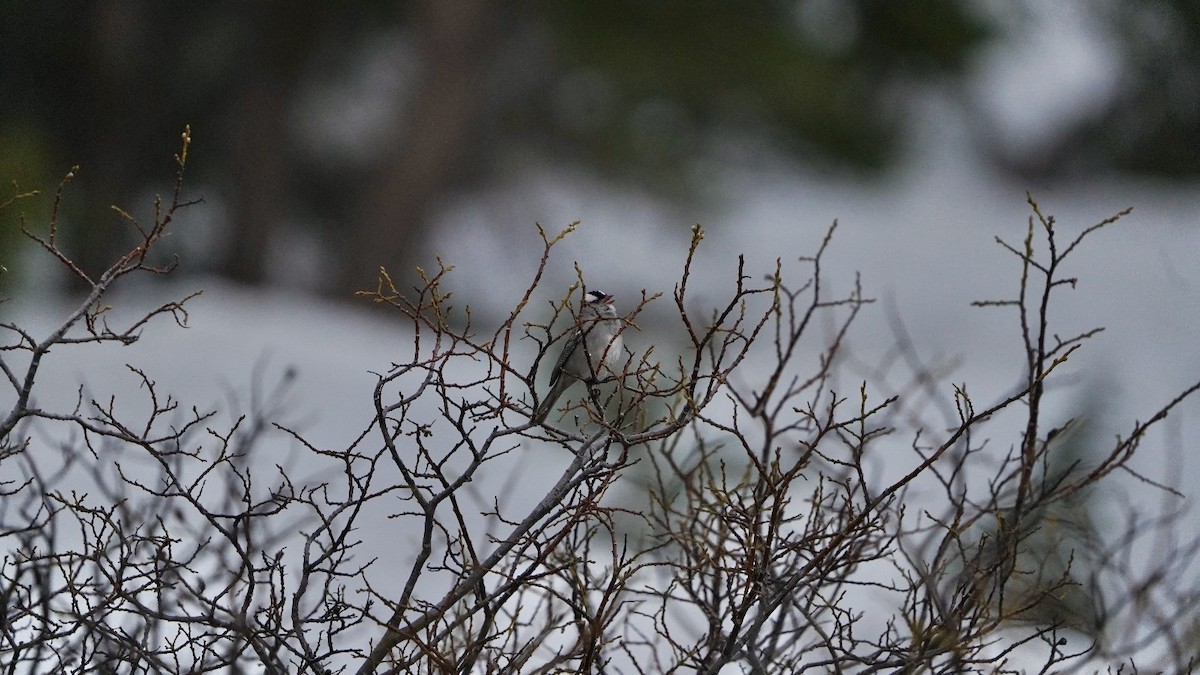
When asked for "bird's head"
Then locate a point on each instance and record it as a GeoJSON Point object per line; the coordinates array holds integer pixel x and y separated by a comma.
{"type": "Point", "coordinates": [599, 303]}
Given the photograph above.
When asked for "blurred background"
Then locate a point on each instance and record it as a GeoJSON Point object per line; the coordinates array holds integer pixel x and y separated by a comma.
{"type": "Point", "coordinates": [332, 138]}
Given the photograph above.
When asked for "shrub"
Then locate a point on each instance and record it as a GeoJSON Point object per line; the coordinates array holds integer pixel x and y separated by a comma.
{"type": "Point", "coordinates": [719, 505]}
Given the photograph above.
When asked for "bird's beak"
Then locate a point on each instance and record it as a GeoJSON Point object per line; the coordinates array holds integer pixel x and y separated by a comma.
{"type": "Point", "coordinates": [608, 299]}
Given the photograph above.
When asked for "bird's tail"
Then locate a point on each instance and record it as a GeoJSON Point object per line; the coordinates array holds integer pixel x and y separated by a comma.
{"type": "Point", "coordinates": [547, 404]}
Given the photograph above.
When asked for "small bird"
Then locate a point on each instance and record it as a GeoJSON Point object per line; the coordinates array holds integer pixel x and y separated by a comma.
{"type": "Point", "coordinates": [595, 346]}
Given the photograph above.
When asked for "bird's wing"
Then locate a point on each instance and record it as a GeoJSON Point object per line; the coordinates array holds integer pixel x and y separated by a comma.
{"type": "Point", "coordinates": [568, 349]}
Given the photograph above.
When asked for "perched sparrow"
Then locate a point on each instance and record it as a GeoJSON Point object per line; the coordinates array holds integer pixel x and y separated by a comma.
{"type": "Point", "coordinates": [592, 348]}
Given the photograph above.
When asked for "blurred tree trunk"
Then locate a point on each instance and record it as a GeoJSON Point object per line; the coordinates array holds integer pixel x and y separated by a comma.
{"type": "Point", "coordinates": [457, 40]}
{"type": "Point", "coordinates": [261, 175]}
{"type": "Point", "coordinates": [111, 127]}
